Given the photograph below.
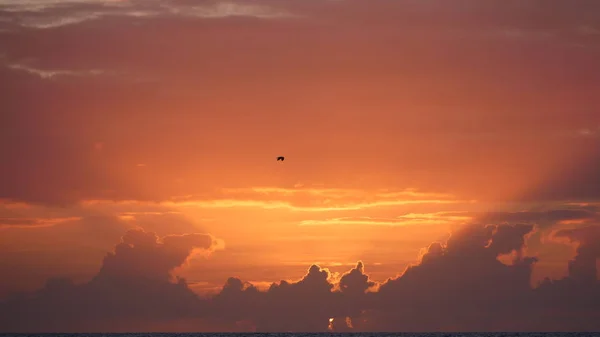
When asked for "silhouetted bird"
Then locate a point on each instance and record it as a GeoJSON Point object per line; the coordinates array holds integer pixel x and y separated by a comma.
{"type": "Point", "coordinates": [280, 158]}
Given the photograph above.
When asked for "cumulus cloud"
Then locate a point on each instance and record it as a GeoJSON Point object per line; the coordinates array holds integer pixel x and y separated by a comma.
{"type": "Point", "coordinates": [69, 247]}
{"type": "Point", "coordinates": [305, 305]}
{"type": "Point", "coordinates": [134, 286]}
{"type": "Point", "coordinates": [458, 285]}
{"type": "Point", "coordinates": [583, 267]}
{"type": "Point", "coordinates": [142, 254]}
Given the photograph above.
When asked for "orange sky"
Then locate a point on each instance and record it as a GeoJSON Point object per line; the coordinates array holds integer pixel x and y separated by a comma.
{"type": "Point", "coordinates": [400, 121]}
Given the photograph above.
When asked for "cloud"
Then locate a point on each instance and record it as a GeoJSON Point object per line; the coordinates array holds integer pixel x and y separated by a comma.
{"type": "Point", "coordinates": [304, 305]}
{"type": "Point", "coordinates": [230, 203]}
{"type": "Point", "coordinates": [312, 199]}
{"type": "Point", "coordinates": [544, 218]}
{"type": "Point", "coordinates": [53, 22]}
{"type": "Point", "coordinates": [19, 222]}
{"type": "Point", "coordinates": [459, 285]}
{"type": "Point", "coordinates": [134, 286]}
{"type": "Point", "coordinates": [584, 266]}
{"type": "Point", "coordinates": [40, 5]}
{"type": "Point", "coordinates": [71, 248]}
{"type": "Point", "coordinates": [551, 217]}
{"type": "Point", "coordinates": [227, 9]}
{"type": "Point", "coordinates": [54, 14]}
{"type": "Point", "coordinates": [142, 254]}
{"type": "Point", "coordinates": [588, 132]}
{"type": "Point", "coordinates": [336, 193]}
{"type": "Point", "coordinates": [51, 74]}
{"type": "Point", "coordinates": [403, 220]}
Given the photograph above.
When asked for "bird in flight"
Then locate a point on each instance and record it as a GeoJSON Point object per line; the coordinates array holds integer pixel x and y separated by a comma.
{"type": "Point", "coordinates": [280, 158]}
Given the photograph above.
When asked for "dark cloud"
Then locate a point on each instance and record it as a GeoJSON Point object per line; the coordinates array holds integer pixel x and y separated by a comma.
{"type": "Point", "coordinates": [459, 285]}
{"type": "Point", "coordinates": [75, 250]}
{"type": "Point", "coordinates": [459, 282]}
{"type": "Point", "coordinates": [578, 294]}
{"type": "Point", "coordinates": [305, 305]}
{"type": "Point", "coordinates": [71, 242]}
{"type": "Point", "coordinates": [583, 266]}
{"type": "Point", "coordinates": [141, 254]}
{"type": "Point", "coordinates": [133, 287]}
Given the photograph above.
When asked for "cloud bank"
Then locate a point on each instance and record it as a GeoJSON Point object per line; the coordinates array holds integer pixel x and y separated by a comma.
{"type": "Point", "coordinates": [459, 285]}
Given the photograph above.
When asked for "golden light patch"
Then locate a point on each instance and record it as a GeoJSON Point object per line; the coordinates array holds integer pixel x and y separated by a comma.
{"type": "Point", "coordinates": [403, 220]}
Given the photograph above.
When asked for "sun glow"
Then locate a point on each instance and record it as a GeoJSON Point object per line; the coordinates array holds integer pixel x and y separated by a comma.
{"type": "Point", "coordinates": [330, 327]}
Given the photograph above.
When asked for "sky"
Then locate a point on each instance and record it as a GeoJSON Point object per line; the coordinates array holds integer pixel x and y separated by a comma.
{"type": "Point", "coordinates": [440, 174]}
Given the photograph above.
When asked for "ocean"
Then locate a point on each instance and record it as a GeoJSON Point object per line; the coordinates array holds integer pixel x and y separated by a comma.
{"type": "Point", "coordinates": [437, 334]}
